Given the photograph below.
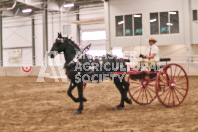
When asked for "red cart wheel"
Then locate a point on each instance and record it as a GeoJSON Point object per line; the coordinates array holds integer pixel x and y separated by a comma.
{"type": "Point", "coordinates": [142, 91]}
{"type": "Point", "coordinates": [172, 85]}
{"type": "Point", "coordinates": [84, 85]}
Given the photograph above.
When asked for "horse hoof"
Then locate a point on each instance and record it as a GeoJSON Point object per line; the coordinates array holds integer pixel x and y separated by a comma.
{"type": "Point", "coordinates": [128, 101]}
{"type": "Point", "coordinates": [84, 99]}
{"type": "Point", "coordinates": [119, 107]}
{"type": "Point", "coordinates": [77, 112]}
{"type": "Point", "coordinates": [78, 100]}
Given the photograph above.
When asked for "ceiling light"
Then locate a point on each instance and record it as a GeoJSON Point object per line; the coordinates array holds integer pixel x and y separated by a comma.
{"type": "Point", "coordinates": [69, 5]}
{"type": "Point", "coordinates": [26, 10]}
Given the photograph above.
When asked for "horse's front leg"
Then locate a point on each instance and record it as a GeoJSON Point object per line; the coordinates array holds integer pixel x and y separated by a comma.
{"type": "Point", "coordinates": [69, 91]}
{"type": "Point", "coordinates": [80, 94]}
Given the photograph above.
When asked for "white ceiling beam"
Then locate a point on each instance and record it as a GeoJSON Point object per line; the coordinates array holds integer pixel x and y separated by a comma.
{"type": "Point", "coordinates": [9, 8]}
{"type": "Point", "coordinates": [33, 3]}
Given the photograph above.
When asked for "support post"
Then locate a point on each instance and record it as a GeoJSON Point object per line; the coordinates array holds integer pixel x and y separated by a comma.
{"type": "Point", "coordinates": [107, 26]}
{"type": "Point", "coordinates": [188, 33]}
{"type": "Point", "coordinates": [187, 27]}
{"type": "Point", "coordinates": [78, 26]}
{"type": "Point", "coordinates": [60, 19]}
{"type": "Point", "coordinates": [45, 34]}
{"type": "Point", "coordinates": [33, 43]}
{"type": "Point", "coordinates": [1, 41]}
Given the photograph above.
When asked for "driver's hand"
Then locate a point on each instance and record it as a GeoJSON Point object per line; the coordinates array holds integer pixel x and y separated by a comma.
{"type": "Point", "coordinates": [142, 56]}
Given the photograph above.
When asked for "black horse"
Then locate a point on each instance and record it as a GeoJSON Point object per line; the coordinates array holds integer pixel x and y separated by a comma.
{"type": "Point", "coordinates": [78, 72]}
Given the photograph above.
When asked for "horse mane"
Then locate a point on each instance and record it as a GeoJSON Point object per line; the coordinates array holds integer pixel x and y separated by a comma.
{"type": "Point", "coordinates": [72, 43]}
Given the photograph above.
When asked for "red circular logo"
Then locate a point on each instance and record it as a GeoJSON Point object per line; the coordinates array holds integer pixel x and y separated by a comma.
{"type": "Point", "coordinates": [26, 69]}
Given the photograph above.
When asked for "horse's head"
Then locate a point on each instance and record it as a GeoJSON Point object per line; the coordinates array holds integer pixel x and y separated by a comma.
{"type": "Point", "coordinates": [59, 45]}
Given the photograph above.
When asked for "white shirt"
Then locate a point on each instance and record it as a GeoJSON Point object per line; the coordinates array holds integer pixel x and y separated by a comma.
{"type": "Point", "coordinates": [154, 50]}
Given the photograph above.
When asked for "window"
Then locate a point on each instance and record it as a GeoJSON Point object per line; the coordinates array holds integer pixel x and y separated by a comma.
{"type": "Point", "coordinates": [164, 27]}
{"type": "Point", "coordinates": [154, 23]}
{"type": "Point", "coordinates": [164, 22]}
{"type": "Point", "coordinates": [138, 24]}
{"type": "Point", "coordinates": [129, 25]}
{"type": "Point", "coordinates": [94, 35]}
{"type": "Point", "coordinates": [119, 25]}
{"type": "Point", "coordinates": [66, 29]}
{"type": "Point", "coordinates": [195, 16]}
{"type": "Point", "coordinates": [174, 22]}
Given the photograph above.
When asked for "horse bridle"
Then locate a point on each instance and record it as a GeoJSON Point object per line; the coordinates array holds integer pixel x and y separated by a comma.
{"type": "Point", "coordinates": [77, 56]}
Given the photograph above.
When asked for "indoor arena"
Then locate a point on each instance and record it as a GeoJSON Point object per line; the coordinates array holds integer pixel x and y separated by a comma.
{"type": "Point", "coordinates": [99, 65]}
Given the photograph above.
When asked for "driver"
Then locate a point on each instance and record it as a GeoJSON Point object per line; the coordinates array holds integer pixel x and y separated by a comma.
{"type": "Point", "coordinates": [153, 51]}
{"type": "Point", "coordinates": [152, 54]}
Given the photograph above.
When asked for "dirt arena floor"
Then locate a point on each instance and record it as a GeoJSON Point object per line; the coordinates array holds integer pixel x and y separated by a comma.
{"type": "Point", "coordinates": [26, 105]}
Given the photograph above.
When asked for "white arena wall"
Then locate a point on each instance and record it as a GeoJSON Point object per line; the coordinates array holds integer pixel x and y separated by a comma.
{"type": "Point", "coordinates": [17, 34]}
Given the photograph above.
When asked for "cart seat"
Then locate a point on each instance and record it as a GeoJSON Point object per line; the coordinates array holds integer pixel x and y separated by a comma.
{"type": "Point", "coordinates": [165, 59]}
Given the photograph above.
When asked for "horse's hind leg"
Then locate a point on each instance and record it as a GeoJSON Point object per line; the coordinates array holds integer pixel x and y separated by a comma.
{"type": "Point", "coordinates": [121, 90]}
{"type": "Point", "coordinates": [81, 99]}
{"type": "Point", "coordinates": [126, 86]}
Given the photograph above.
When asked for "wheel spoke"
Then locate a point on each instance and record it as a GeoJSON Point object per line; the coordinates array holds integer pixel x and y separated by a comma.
{"type": "Point", "coordinates": [139, 94]}
{"type": "Point", "coordinates": [169, 76]}
{"type": "Point", "coordinates": [165, 91]}
{"type": "Point", "coordinates": [176, 96]}
{"type": "Point", "coordinates": [180, 88]}
{"type": "Point", "coordinates": [151, 85]}
{"type": "Point", "coordinates": [179, 72]}
{"type": "Point", "coordinates": [173, 97]}
{"type": "Point", "coordinates": [171, 73]}
{"type": "Point", "coordinates": [180, 83]}
{"type": "Point", "coordinates": [174, 73]}
{"type": "Point", "coordinates": [179, 92]}
{"type": "Point", "coordinates": [169, 97]}
{"type": "Point", "coordinates": [163, 82]}
{"type": "Point", "coordinates": [166, 95]}
{"type": "Point", "coordinates": [136, 91]}
{"type": "Point", "coordinates": [134, 87]}
{"type": "Point", "coordinates": [149, 93]}
{"type": "Point", "coordinates": [142, 95]}
{"type": "Point", "coordinates": [151, 89]}
{"type": "Point", "coordinates": [180, 79]}
{"type": "Point", "coordinates": [146, 96]}
{"type": "Point", "coordinates": [164, 77]}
